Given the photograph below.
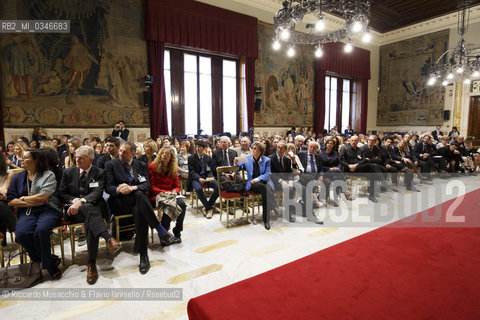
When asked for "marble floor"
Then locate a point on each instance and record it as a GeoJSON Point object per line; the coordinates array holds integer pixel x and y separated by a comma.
{"type": "Point", "coordinates": [212, 256]}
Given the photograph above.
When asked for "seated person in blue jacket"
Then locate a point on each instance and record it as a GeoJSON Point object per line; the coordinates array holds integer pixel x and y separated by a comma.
{"type": "Point", "coordinates": [258, 179]}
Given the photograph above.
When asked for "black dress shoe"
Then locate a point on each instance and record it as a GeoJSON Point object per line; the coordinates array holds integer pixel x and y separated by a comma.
{"type": "Point", "coordinates": [267, 225]}
{"type": "Point", "coordinates": [56, 260]}
{"type": "Point", "coordinates": [315, 220]}
{"type": "Point", "coordinates": [144, 264]}
{"type": "Point", "coordinates": [54, 272]}
{"type": "Point", "coordinates": [165, 240]}
{"type": "Point", "coordinates": [413, 189]}
{"type": "Point", "coordinates": [372, 198]}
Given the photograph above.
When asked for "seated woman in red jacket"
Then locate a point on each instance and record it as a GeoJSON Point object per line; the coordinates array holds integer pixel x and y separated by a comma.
{"type": "Point", "coordinates": [163, 173]}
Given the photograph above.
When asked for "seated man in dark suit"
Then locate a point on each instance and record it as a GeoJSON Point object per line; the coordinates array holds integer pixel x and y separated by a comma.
{"type": "Point", "coordinates": [224, 156]}
{"type": "Point", "coordinates": [81, 190]}
{"type": "Point", "coordinates": [427, 157]}
{"type": "Point", "coordinates": [128, 184]}
{"type": "Point", "coordinates": [120, 131]}
{"type": "Point", "coordinates": [282, 176]}
{"type": "Point", "coordinates": [355, 160]}
{"type": "Point", "coordinates": [312, 164]}
{"type": "Point", "coordinates": [112, 147]}
{"type": "Point", "coordinates": [198, 171]}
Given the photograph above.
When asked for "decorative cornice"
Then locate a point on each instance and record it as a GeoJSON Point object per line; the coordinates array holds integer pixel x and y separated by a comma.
{"type": "Point", "coordinates": [448, 21]}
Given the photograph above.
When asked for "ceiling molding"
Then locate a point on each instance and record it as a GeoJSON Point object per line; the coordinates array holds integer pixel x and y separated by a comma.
{"type": "Point", "coordinates": [448, 21]}
{"type": "Point", "coordinates": [264, 10]}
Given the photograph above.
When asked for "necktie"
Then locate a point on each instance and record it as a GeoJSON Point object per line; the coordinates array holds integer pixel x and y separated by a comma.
{"type": "Point", "coordinates": [312, 164]}
{"type": "Point", "coordinates": [83, 184]}
{"type": "Point", "coordinates": [129, 172]}
{"type": "Point", "coordinates": [225, 158]}
{"type": "Point", "coordinates": [281, 164]}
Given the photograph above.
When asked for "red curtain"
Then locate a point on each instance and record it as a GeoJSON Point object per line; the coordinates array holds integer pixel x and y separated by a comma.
{"type": "Point", "coordinates": [158, 112]}
{"type": "Point", "coordinates": [355, 64]}
{"type": "Point", "coordinates": [250, 87]}
{"type": "Point", "coordinates": [2, 134]}
{"type": "Point", "coordinates": [198, 25]}
{"type": "Point", "coordinates": [194, 24]}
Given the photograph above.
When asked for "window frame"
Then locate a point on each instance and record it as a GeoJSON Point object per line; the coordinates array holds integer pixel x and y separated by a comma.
{"type": "Point", "coordinates": [177, 72]}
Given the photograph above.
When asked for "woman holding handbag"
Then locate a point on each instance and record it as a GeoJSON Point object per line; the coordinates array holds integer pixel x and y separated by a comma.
{"type": "Point", "coordinates": [163, 173]}
{"type": "Point", "coordinates": [32, 191]}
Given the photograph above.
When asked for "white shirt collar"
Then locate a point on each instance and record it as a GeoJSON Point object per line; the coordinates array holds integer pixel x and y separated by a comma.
{"type": "Point", "coordinates": [87, 171]}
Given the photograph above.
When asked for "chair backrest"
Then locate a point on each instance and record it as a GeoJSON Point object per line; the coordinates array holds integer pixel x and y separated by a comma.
{"type": "Point", "coordinates": [227, 169]}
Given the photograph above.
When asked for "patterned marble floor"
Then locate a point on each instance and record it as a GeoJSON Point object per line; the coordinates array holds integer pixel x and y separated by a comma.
{"type": "Point", "coordinates": [212, 256]}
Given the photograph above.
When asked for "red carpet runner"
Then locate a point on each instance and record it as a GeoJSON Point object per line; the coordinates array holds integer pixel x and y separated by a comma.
{"type": "Point", "coordinates": [389, 273]}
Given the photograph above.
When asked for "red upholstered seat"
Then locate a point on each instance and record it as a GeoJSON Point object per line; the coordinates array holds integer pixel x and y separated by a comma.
{"type": "Point", "coordinates": [1, 235]}
{"type": "Point", "coordinates": [229, 195]}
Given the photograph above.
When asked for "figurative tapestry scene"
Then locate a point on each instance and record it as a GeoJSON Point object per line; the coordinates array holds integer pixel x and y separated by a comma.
{"type": "Point", "coordinates": [404, 97]}
{"type": "Point", "coordinates": [287, 84]}
{"type": "Point", "coordinates": [90, 77]}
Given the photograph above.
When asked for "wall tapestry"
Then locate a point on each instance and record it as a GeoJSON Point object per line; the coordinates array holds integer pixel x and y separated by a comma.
{"type": "Point", "coordinates": [404, 97]}
{"type": "Point", "coordinates": [287, 84]}
{"type": "Point", "coordinates": [90, 77]}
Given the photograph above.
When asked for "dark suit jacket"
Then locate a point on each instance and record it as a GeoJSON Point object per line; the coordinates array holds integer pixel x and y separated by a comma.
{"type": "Point", "coordinates": [373, 155]}
{"type": "Point", "coordinates": [103, 160]}
{"type": "Point", "coordinates": [69, 186]}
{"type": "Point", "coordinates": [277, 172]}
{"type": "Point", "coordinates": [122, 134]}
{"type": "Point", "coordinates": [420, 148]}
{"type": "Point", "coordinates": [303, 156]}
{"type": "Point", "coordinates": [116, 175]}
{"type": "Point", "coordinates": [217, 159]}
{"type": "Point", "coordinates": [195, 167]}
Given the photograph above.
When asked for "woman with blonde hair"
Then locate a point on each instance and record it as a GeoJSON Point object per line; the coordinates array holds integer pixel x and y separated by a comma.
{"type": "Point", "coordinates": [150, 148]}
{"type": "Point", "coordinates": [163, 173]}
{"type": "Point", "coordinates": [16, 160]}
{"type": "Point", "coordinates": [73, 145]}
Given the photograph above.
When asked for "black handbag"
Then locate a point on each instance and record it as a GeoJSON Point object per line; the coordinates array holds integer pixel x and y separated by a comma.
{"type": "Point", "coordinates": [20, 276]}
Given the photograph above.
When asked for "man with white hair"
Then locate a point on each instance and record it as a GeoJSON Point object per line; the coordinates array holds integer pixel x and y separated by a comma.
{"type": "Point", "coordinates": [81, 190]}
{"type": "Point", "coordinates": [244, 148]}
{"type": "Point", "coordinates": [299, 143]}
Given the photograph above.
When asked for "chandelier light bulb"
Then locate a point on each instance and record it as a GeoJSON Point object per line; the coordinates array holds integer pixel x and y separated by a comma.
{"type": "Point", "coordinates": [460, 70]}
{"type": "Point", "coordinates": [356, 27]}
{"type": "Point", "coordinates": [291, 52]}
{"type": "Point", "coordinates": [450, 76]}
{"type": "Point", "coordinates": [431, 81]}
{"type": "Point", "coordinates": [367, 37]}
{"type": "Point", "coordinates": [467, 81]}
{"type": "Point", "coordinates": [318, 52]}
{"type": "Point", "coordinates": [476, 74]}
{"type": "Point", "coordinates": [348, 48]}
{"type": "Point", "coordinates": [276, 45]}
{"type": "Point", "coordinates": [285, 34]}
{"type": "Point", "coordinates": [320, 25]}
{"type": "Point", "coordinates": [444, 83]}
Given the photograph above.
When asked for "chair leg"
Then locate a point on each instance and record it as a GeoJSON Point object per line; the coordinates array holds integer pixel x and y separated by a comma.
{"type": "Point", "coordinates": [72, 243]}
{"type": "Point", "coordinates": [2, 263]}
{"type": "Point", "coordinates": [117, 225]}
{"type": "Point", "coordinates": [228, 213]}
{"type": "Point", "coordinates": [62, 249]}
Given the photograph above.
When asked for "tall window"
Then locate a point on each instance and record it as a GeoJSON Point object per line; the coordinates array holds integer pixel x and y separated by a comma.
{"type": "Point", "coordinates": [202, 92]}
{"type": "Point", "coordinates": [168, 89]}
{"type": "Point", "coordinates": [337, 102]}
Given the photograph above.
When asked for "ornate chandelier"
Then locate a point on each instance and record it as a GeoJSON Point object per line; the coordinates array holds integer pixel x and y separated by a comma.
{"type": "Point", "coordinates": [356, 14]}
{"type": "Point", "coordinates": [463, 63]}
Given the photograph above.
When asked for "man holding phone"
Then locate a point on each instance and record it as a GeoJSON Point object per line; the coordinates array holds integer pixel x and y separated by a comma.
{"type": "Point", "coordinates": [120, 130]}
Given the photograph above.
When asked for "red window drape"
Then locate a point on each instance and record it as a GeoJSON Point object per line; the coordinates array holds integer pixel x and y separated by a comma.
{"type": "Point", "coordinates": [194, 24]}
{"type": "Point", "coordinates": [355, 64]}
{"type": "Point", "coordinates": [158, 115]}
